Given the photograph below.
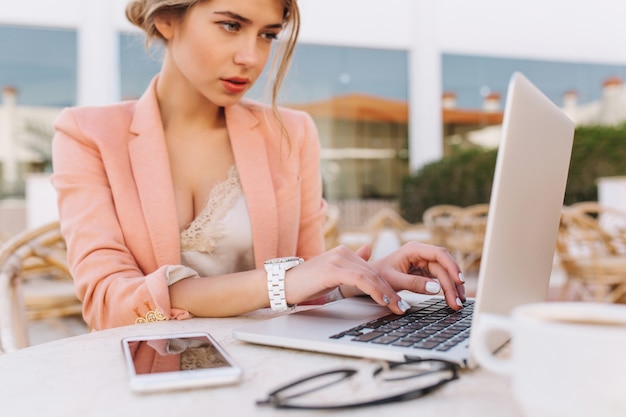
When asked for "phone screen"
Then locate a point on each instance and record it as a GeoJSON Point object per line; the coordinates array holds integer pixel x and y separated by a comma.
{"type": "Point", "coordinates": [177, 361]}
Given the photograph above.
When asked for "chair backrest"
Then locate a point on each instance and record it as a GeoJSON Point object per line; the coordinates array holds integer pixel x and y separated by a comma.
{"type": "Point", "coordinates": [590, 256]}
{"type": "Point", "coordinates": [459, 229]}
{"type": "Point", "coordinates": [610, 219]}
{"type": "Point", "coordinates": [581, 235]}
{"type": "Point", "coordinates": [440, 220]}
{"type": "Point", "coordinates": [33, 254]}
{"type": "Point", "coordinates": [331, 226]}
{"type": "Point", "coordinates": [385, 231]}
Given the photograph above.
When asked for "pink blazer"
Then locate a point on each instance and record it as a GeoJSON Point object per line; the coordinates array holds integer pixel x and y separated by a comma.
{"type": "Point", "coordinates": [117, 208]}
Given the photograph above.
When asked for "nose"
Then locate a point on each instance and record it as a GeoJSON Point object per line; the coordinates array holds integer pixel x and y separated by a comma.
{"type": "Point", "coordinates": [248, 53]}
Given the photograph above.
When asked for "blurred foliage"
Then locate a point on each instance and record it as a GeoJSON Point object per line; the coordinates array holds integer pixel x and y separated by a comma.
{"type": "Point", "coordinates": [465, 178]}
{"type": "Point", "coordinates": [462, 179]}
{"type": "Point", "coordinates": [599, 151]}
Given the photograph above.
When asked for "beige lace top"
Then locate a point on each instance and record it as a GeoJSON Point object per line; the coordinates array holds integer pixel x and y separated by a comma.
{"type": "Point", "coordinates": [219, 240]}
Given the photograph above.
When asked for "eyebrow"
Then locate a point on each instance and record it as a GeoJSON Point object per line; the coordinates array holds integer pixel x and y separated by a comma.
{"type": "Point", "coordinates": [245, 20]}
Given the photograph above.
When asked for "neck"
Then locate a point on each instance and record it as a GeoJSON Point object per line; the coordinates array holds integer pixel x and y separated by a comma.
{"type": "Point", "coordinates": [183, 107]}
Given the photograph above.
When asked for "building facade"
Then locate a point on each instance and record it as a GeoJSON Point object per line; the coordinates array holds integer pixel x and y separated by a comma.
{"type": "Point", "coordinates": [423, 29]}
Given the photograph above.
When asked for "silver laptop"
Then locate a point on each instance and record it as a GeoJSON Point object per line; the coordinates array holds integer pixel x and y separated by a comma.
{"type": "Point", "coordinates": [518, 253]}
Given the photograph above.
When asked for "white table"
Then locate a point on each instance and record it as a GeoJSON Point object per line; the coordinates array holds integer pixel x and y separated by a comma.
{"type": "Point", "coordinates": [86, 376]}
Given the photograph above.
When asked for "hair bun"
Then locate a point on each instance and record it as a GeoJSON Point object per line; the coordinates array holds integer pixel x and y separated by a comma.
{"type": "Point", "coordinates": [136, 12]}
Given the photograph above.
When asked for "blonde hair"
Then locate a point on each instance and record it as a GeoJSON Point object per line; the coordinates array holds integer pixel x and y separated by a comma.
{"type": "Point", "coordinates": [141, 13]}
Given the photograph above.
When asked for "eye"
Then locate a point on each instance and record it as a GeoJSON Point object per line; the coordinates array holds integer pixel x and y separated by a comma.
{"type": "Point", "coordinates": [230, 26]}
{"type": "Point", "coordinates": [269, 36]}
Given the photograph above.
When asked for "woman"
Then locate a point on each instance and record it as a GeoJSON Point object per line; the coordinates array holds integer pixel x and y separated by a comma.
{"type": "Point", "coordinates": [171, 205]}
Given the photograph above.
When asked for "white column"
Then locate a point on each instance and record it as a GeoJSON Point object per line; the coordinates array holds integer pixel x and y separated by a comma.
{"type": "Point", "coordinates": [425, 123]}
{"type": "Point", "coordinates": [98, 54]}
{"type": "Point", "coordinates": [8, 132]}
{"type": "Point", "coordinates": [41, 201]}
{"type": "Point", "coordinates": [612, 192]}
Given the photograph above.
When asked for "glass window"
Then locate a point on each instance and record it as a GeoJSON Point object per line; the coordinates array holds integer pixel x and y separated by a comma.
{"type": "Point", "coordinates": [38, 70]}
{"type": "Point", "coordinates": [358, 99]}
{"type": "Point", "coordinates": [138, 64]}
{"type": "Point", "coordinates": [40, 63]}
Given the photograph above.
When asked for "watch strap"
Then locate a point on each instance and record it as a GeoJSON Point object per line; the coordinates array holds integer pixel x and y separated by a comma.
{"type": "Point", "coordinates": [276, 269]}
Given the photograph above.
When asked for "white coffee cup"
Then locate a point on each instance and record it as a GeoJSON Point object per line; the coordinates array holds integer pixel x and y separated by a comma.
{"type": "Point", "coordinates": [567, 359]}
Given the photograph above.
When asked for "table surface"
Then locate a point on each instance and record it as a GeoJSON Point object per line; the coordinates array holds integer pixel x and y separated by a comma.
{"type": "Point", "coordinates": [86, 376]}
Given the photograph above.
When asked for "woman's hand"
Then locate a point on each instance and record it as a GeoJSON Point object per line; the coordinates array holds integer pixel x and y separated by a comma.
{"type": "Point", "coordinates": [341, 267]}
{"type": "Point", "coordinates": [425, 269]}
{"type": "Point", "coordinates": [415, 267]}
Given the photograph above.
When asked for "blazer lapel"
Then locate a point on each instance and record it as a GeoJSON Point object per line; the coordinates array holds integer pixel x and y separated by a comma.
{"type": "Point", "coordinates": [250, 152]}
{"type": "Point", "coordinates": [151, 171]}
{"type": "Point", "coordinates": [150, 166]}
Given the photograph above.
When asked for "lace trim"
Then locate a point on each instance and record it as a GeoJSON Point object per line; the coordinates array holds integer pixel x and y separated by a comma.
{"type": "Point", "coordinates": [205, 231]}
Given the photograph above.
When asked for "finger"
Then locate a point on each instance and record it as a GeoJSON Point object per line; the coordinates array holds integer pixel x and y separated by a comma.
{"type": "Point", "coordinates": [371, 283]}
{"type": "Point", "coordinates": [448, 285]}
{"type": "Point", "coordinates": [421, 254]}
{"type": "Point", "coordinates": [364, 252]}
{"type": "Point", "coordinates": [353, 269]}
{"type": "Point", "coordinates": [423, 272]}
{"type": "Point", "coordinates": [430, 285]}
{"type": "Point", "coordinates": [442, 260]}
{"type": "Point", "coordinates": [460, 289]}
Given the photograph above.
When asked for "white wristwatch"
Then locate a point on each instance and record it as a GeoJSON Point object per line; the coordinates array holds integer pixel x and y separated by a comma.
{"type": "Point", "coordinates": [276, 281]}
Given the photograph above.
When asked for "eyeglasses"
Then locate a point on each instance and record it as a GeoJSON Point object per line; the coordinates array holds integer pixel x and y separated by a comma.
{"type": "Point", "coordinates": [391, 382]}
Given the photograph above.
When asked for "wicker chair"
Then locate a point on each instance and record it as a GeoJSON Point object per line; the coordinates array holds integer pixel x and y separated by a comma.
{"type": "Point", "coordinates": [593, 258]}
{"type": "Point", "coordinates": [468, 235]}
{"type": "Point", "coordinates": [331, 227]}
{"type": "Point", "coordinates": [34, 283]}
{"type": "Point", "coordinates": [385, 231]}
{"type": "Point", "coordinates": [440, 220]}
{"type": "Point", "coordinates": [459, 229]}
{"type": "Point", "coordinates": [612, 221]}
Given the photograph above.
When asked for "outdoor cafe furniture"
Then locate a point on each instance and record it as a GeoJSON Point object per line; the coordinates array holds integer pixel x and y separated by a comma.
{"type": "Point", "coordinates": [34, 283]}
{"type": "Point", "coordinates": [385, 231]}
{"type": "Point", "coordinates": [591, 247]}
{"type": "Point", "coordinates": [459, 229]}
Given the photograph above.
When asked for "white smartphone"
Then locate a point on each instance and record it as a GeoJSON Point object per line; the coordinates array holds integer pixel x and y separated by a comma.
{"type": "Point", "coordinates": [177, 361]}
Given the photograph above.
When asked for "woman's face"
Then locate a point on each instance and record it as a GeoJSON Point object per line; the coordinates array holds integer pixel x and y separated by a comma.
{"type": "Point", "coordinates": [221, 46]}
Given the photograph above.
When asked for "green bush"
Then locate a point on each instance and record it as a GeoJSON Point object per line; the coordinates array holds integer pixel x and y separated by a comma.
{"type": "Point", "coordinates": [465, 178]}
{"type": "Point", "coordinates": [598, 151]}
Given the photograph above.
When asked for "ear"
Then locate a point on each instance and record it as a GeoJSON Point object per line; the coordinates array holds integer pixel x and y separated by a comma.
{"type": "Point", "coordinates": [164, 23]}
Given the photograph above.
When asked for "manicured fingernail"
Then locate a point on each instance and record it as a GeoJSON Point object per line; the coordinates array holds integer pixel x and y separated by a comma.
{"type": "Point", "coordinates": [462, 277]}
{"type": "Point", "coordinates": [433, 287]}
{"type": "Point", "coordinates": [385, 299]}
{"type": "Point", "coordinates": [459, 302]}
{"type": "Point", "coordinates": [403, 305]}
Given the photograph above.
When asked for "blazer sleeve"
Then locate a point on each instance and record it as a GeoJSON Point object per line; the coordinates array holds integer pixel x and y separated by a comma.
{"type": "Point", "coordinates": [114, 290]}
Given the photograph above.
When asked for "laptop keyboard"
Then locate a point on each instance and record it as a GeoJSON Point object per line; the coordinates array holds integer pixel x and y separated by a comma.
{"type": "Point", "coordinates": [428, 325]}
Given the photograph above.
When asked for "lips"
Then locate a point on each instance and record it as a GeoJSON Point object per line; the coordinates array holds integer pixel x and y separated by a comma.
{"type": "Point", "coordinates": [236, 84]}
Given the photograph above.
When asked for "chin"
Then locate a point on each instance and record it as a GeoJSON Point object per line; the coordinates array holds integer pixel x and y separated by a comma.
{"type": "Point", "coordinates": [228, 99]}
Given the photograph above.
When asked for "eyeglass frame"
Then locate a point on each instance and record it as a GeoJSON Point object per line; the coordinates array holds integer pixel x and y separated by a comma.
{"type": "Point", "coordinates": [274, 400]}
